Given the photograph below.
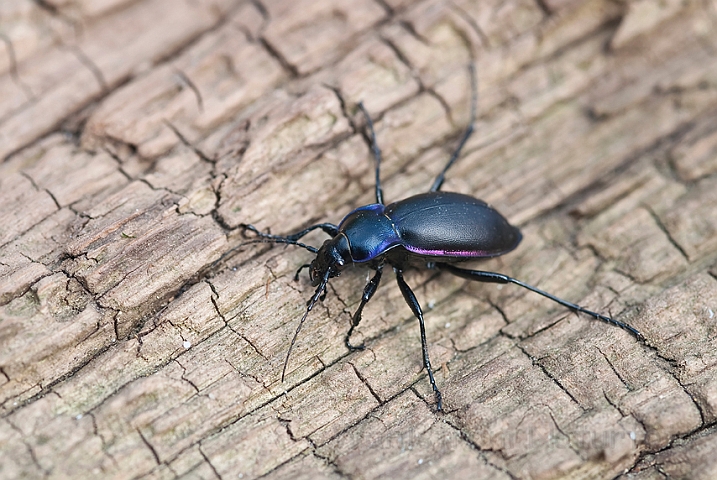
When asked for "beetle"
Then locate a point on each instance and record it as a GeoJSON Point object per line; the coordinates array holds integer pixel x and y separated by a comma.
{"type": "Point", "coordinates": [432, 230]}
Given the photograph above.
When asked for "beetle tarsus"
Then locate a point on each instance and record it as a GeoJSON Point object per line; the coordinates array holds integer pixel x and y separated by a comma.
{"type": "Point", "coordinates": [293, 239]}
{"type": "Point", "coordinates": [349, 345]}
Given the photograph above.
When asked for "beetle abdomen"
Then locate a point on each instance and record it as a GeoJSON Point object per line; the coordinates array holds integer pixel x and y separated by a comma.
{"type": "Point", "coordinates": [447, 224]}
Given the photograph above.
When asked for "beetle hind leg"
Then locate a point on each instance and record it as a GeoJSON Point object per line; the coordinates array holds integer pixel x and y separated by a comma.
{"type": "Point", "coordinates": [412, 302]}
{"type": "Point", "coordinates": [493, 277]}
{"type": "Point", "coordinates": [368, 292]}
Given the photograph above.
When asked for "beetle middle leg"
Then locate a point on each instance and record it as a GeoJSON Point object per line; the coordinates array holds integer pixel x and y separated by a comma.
{"type": "Point", "coordinates": [412, 302]}
{"type": "Point", "coordinates": [493, 277]}
{"type": "Point", "coordinates": [368, 292]}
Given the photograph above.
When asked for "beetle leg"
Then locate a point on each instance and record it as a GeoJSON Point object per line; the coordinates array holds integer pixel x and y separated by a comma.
{"type": "Point", "coordinates": [329, 228]}
{"type": "Point", "coordinates": [296, 275]}
{"type": "Point", "coordinates": [412, 302]}
{"type": "Point", "coordinates": [266, 237]}
{"type": "Point", "coordinates": [368, 292]}
{"type": "Point", "coordinates": [376, 153]}
{"type": "Point", "coordinates": [466, 135]}
{"type": "Point", "coordinates": [493, 277]}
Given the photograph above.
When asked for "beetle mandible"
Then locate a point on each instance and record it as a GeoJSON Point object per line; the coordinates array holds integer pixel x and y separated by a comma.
{"type": "Point", "coordinates": [431, 230]}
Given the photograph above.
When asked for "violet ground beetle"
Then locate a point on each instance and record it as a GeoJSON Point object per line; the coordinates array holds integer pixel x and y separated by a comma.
{"type": "Point", "coordinates": [431, 230]}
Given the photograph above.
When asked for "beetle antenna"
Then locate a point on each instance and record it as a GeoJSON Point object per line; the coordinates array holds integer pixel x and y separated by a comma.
{"type": "Point", "coordinates": [310, 305]}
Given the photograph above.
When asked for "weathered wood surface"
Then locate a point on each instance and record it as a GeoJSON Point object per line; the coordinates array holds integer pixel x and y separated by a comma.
{"type": "Point", "coordinates": [138, 135]}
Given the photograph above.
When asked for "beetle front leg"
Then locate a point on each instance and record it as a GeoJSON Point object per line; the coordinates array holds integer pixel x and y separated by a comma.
{"type": "Point", "coordinates": [412, 302]}
{"type": "Point", "coordinates": [368, 292]}
{"type": "Point", "coordinates": [328, 228]}
{"type": "Point", "coordinates": [292, 239]}
{"type": "Point", "coordinates": [296, 275]}
{"type": "Point", "coordinates": [493, 277]}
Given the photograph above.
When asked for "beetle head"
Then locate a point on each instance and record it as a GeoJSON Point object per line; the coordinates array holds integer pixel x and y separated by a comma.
{"type": "Point", "coordinates": [333, 256]}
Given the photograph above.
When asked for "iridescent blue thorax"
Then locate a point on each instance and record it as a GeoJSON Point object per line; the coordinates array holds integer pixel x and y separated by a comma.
{"type": "Point", "coordinates": [369, 231]}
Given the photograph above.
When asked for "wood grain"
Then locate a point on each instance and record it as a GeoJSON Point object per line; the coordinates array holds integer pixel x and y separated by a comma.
{"type": "Point", "coordinates": [137, 136]}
